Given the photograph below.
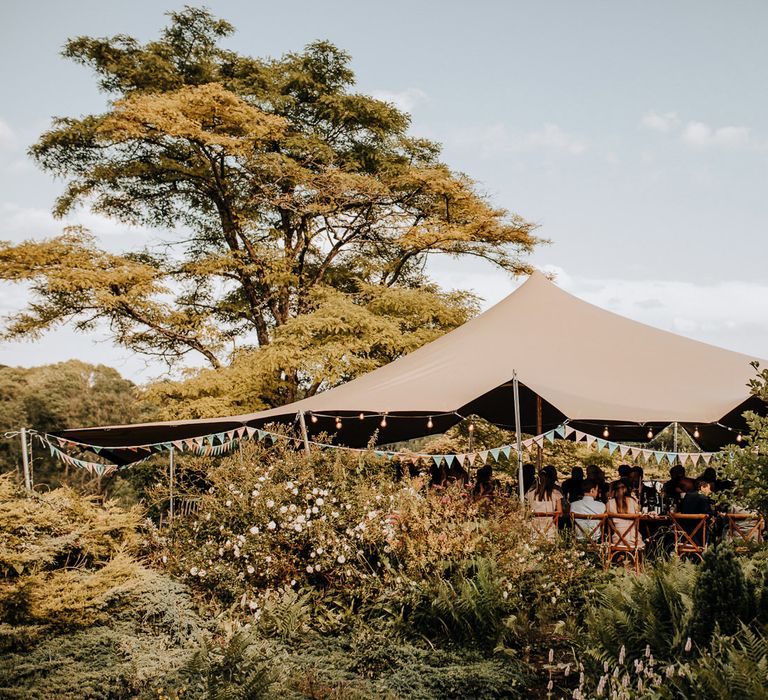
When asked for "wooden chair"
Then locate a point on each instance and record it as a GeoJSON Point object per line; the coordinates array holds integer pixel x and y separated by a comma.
{"type": "Point", "coordinates": [744, 528]}
{"type": "Point", "coordinates": [545, 523]}
{"type": "Point", "coordinates": [589, 530]}
{"type": "Point", "coordinates": [623, 540]}
{"type": "Point", "coordinates": [690, 532]}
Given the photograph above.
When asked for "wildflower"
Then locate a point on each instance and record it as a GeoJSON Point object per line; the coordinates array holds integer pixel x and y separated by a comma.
{"type": "Point", "coordinates": [688, 645]}
{"type": "Point", "coordinates": [550, 685]}
{"type": "Point", "coordinates": [270, 503]}
{"type": "Point", "coordinates": [228, 503]}
{"type": "Point", "coordinates": [201, 573]}
{"type": "Point", "coordinates": [647, 651]}
{"type": "Point", "coordinates": [320, 502]}
{"type": "Point", "coordinates": [622, 653]}
{"type": "Point", "coordinates": [293, 582]}
{"type": "Point", "coordinates": [253, 605]}
{"type": "Point", "coordinates": [551, 655]}
{"type": "Point", "coordinates": [254, 530]}
{"type": "Point", "coordinates": [271, 525]}
{"type": "Point", "coordinates": [295, 492]}
{"type": "Point", "coordinates": [310, 569]}
{"type": "Point", "coordinates": [283, 510]}
{"type": "Point", "coordinates": [165, 559]}
{"type": "Point", "coordinates": [250, 569]}
{"type": "Point", "coordinates": [341, 559]}
{"type": "Point", "coordinates": [193, 571]}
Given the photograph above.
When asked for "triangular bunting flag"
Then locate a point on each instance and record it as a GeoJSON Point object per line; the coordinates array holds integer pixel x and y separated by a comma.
{"type": "Point", "coordinates": [694, 458]}
{"type": "Point", "coordinates": [178, 444]}
{"type": "Point", "coordinates": [495, 453]}
{"type": "Point", "coordinates": [261, 434]}
{"type": "Point", "coordinates": [97, 449]}
{"type": "Point", "coordinates": [612, 447]}
{"type": "Point", "coordinates": [240, 431]}
{"type": "Point", "coordinates": [623, 449]}
{"type": "Point", "coordinates": [560, 430]}
{"type": "Point", "coordinates": [250, 431]}
{"type": "Point", "coordinates": [471, 457]}
{"type": "Point", "coordinates": [601, 443]}
{"type": "Point", "coordinates": [579, 436]}
{"type": "Point", "coordinates": [672, 458]}
{"type": "Point", "coordinates": [706, 456]}
{"type": "Point", "coordinates": [527, 444]}
{"type": "Point", "coordinates": [449, 459]}
{"type": "Point", "coordinates": [483, 456]}
{"type": "Point", "coordinates": [568, 431]}
{"type": "Point", "coordinates": [506, 451]}
{"type": "Point", "coordinates": [550, 435]}
{"type": "Point", "coordinates": [437, 459]}
{"type": "Point", "coordinates": [590, 440]}
{"type": "Point", "coordinates": [539, 440]}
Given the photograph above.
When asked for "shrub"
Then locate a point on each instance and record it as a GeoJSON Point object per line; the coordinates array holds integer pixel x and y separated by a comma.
{"type": "Point", "coordinates": [720, 597]}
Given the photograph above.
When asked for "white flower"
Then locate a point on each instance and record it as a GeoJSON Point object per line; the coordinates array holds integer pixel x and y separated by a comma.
{"type": "Point", "coordinates": [288, 485]}
{"type": "Point", "coordinates": [254, 530]}
{"type": "Point", "coordinates": [268, 559]}
{"type": "Point", "coordinates": [221, 551]}
{"type": "Point", "coordinates": [193, 571]}
{"type": "Point", "coordinates": [319, 502]}
{"type": "Point", "coordinates": [165, 559]}
{"type": "Point", "coordinates": [315, 510]}
{"type": "Point", "coordinates": [250, 569]}
{"type": "Point", "coordinates": [315, 491]}
{"type": "Point", "coordinates": [293, 581]}
{"type": "Point", "coordinates": [297, 527]}
{"type": "Point", "coordinates": [283, 509]}
{"type": "Point", "coordinates": [688, 644]}
{"type": "Point", "coordinates": [255, 493]}
{"type": "Point", "coordinates": [270, 503]}
{"type": "Point", "coordinates": [262, 478]}
{"type": "Point", "coordinates": [207, 516]}
{"type": "Point", "coordinates": [341, 559]}
{"type": "Point", "coordinates": [228, 504]}
{"type": "Point", "coordinates": [253, 605]}
{"type": "Point", "coordinates": [295, 492]}
{"type": "Point", "coordinates": [272, 525]}
{"type": "Point", "coordinates": [310, 569]}
{"type": "Point", "coordinates": [201, 573]}
{"type": "Point", "coordinates": [319, 550]}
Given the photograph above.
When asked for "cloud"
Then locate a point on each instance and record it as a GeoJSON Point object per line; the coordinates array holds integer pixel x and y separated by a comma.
{"type": "Point", "coordinates": [8, 139]}
{"type": "Point", "coordinates": [405, 100]}
{"type": "Point", "coordinates": [660, 122]}
{"type": "Point", "coordinates": [497, 140]}
{"type": "Point", "coordinates": [700, 135]}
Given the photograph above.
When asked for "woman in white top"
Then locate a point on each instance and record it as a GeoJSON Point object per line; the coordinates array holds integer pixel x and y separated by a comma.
{"type": "Point", "coordinates": [626, 532]}
{"type": "Point", "coordinates": [544, 497]}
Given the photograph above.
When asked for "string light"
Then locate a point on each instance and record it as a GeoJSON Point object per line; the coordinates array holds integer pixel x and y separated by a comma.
{"type": "Point", "coordinates": [650, 433]}
{"type": "Point", "coordinates": [696, 433]}
{"type": "Point", "coordinates": [471, 427]}
{"type": "Point", "coordinates": [430, 424]}
{"type": "Point", "coordinates": [605, 432]}
{"type": "Point", "coordinates": [313, 417]}
{"type": "Point", "coordinates": [362, 416]}
{"type": "Point", "coordinates": [384, 421]}
{"type": "Point", "coordinates": [739, 438]}
{"type": "Point", "coordinates": [338, 423]}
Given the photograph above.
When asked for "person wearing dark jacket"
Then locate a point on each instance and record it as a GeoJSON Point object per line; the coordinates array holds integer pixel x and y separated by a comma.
{"type": "Point", "coordinates": [696, 502]}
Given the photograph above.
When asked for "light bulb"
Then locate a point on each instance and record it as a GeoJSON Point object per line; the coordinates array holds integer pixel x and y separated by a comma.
{"type": "Point", "coordinates": [383, 421]}
{"type": "Point", "coordinates": [650, 433]}
{"type": "Point", "coordinates": [313, 417]}
{"type": "Point", "coordinates": [430, 423]}
{"type": "Point", "coordinates": [338, 423]}
{"type": "Point", "coordinates": [471, 427]}
{"type": "Point", "coordinates": [605, 432]}
{"type": "Point", "coordinates": [696, 433]}
{"type": "Point", "coordinates": [362, 416]}
{"type": "Point", "coordinates": [739, 438]}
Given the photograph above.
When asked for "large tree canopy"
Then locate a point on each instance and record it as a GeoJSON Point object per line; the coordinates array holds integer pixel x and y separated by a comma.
{"type": "Point", "coordinates": [279, 194]}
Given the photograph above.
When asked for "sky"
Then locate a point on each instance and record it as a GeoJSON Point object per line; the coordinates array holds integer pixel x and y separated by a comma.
{"type": "Point", "coordinates": [634, 134]}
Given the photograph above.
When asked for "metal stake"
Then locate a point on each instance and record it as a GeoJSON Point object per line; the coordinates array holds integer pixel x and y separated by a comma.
{"type": "Point", "coordinates": [304, 435]}
{"type": "Point", "coordinates": [172, 471]}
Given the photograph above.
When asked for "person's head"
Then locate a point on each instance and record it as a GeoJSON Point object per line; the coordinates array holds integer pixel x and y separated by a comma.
{"type": "Point", "coordinates": [545, 484]}
{"type": "Point", "coordinates": [529, 475]}
{"type": "Point", "coordinates": [704, 486]}
{"type": "Point", "coordinates": [677, 472]}
{"type": "Point", "coordinates": [709, 474]}
{"type": "Point", "coordinates": [577, 473]}
{"type": "Point", "coordinates": [621, 496]}
{"type": "Point", "coordinates": [595, 473]}
{"type": "Point", "coordinates": [484, 474]}
{"type": "Point", "coordinates": [624, 471]}
{"type": "Point", "coordinates": [552, 472]}
{"type": "Point", "coordinates": [589, 488]}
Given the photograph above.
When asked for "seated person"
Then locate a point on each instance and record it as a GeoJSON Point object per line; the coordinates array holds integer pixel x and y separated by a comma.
{"type": "Point", "coordinates": [529, 476]}
{"type": "Point", "coordinates": [625, 531]}
{"type": "Point", "coordinates": [747, 525]}
{"type": "Point", "coordinates": [625, 472]}
{"type": "Point", "coordinates": [483, 481]}
{"type": "Point", "coordinates": [588, 505]}
{"type": "Point", "coordinates": [544, 497]}
{"type": "Point", "coordinates": [672, 489]}
{"type": "Point", "coordinates": [696, 502]}
{"type": "Point", "coordinates": [552, 472]}
{"type": "Point", "coordinates": [572, 486]}
{"type": "Point", "coordinates": [596, 474]}
{"type": "Point", "coordinates": [636, 483]}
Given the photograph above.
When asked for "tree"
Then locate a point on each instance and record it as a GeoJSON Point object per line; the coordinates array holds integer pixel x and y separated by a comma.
{"type": "Point", "coordinates": [274, 187]}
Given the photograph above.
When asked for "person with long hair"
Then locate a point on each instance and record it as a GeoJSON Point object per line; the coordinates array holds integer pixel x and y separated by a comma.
{"type": "Point", "coordinates": [622, 502]}
{"type": "Point", "coordinates": [545, 498]}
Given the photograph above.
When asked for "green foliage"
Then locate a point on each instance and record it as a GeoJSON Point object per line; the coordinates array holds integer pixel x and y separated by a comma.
{"type": "Point", "coordinates": [58, 396]}
{"type": "Point", "coordinates": [720, 596]}
{"type": "Point", "coordinates": [79, 615]}
{"type": "Point", "coordinates": [652, 609]}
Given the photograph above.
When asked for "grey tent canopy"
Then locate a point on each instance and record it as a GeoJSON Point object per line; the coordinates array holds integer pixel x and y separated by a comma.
{"type": "Point", "coordinates": [590, 366]}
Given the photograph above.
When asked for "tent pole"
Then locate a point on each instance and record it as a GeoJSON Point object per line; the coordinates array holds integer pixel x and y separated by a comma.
{"type": "Point", "coordinates": [304, 435]}
{"type": "Point", "coordinates": [539, 431]}
{"type": "Point", "coordinates": [25, 460]}
{"type": "Point", "coordinates": [516, 393]}
{"type": "Point", "coordinates": [172, 474]}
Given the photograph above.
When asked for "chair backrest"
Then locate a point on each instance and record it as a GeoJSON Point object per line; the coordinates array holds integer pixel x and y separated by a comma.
{"type": "Point", "coordinates": [622, 530]}
{"type": "Point", "coordinates": [589, 526]}
{"type": "Point", "coordinates": [546, 522]}
{"type": "Point", "coordinates": [690, 530]}
{"type": "Point", "coordinates": [745, 527]}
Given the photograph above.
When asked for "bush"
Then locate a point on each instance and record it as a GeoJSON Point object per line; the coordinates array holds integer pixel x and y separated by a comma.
{"type": "Point", "coordinates": [721, 597]}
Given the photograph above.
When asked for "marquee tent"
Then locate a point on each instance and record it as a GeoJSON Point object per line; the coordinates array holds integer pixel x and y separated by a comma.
{"type": "Point", "coordinates": [594, 368]}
